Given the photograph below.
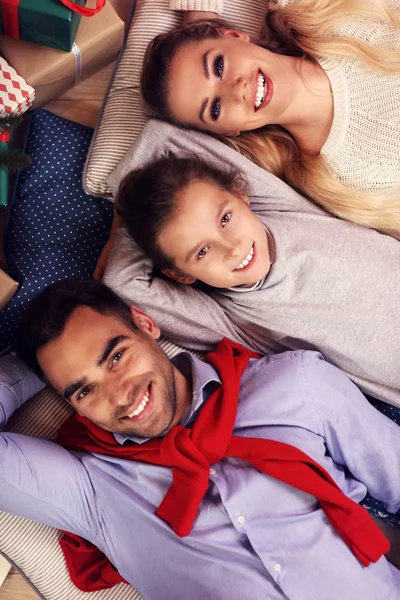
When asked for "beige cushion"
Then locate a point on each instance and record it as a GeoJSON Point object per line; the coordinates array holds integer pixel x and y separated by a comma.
{"type": "Point", "coordinates": [123, 115]}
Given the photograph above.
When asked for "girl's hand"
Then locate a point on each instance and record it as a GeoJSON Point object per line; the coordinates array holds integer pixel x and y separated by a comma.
{"type": "Point", "coordinates": [101, 263]}
{"type": "Point", "coordinates": [196, 15]}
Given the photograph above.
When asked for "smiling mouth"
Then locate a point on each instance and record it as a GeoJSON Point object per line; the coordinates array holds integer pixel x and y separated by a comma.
{"type": "Point", "coordinates": [140, 407]}
{"type": "Point", "coordinates": [248, 260]}
{"type": "Point", "coordinates": [260, 90]}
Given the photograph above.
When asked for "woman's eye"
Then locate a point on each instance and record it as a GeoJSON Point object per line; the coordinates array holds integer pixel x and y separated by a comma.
{"type": "Point", "coordinates": [215, 109]}
{"type": "Point", "coordinates": [226, 218]}
{"type": "Point", "coordinates": [202, 252]}
{"type": "Point", "coordinates": [116, 357]}
{"type": "Point", "coordinates": [84, 392]}
{"type": "Point", "coordinates": [219, 66]}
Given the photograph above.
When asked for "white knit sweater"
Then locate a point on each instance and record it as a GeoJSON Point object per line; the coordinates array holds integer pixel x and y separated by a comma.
{"type": "Point", "coordinates": [363, 146]}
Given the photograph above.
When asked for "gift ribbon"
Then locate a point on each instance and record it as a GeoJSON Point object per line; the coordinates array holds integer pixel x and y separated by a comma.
{"type": "Point", "coordinates": [83, 10]}
{"type": "Point", "coordinates": [10, 16]}
{"type": "Point", "coordinates": [78, 63]}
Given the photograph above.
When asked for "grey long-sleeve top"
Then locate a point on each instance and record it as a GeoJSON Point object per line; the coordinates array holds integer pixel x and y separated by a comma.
{"type": "Point", "coordinates": [334, 286]}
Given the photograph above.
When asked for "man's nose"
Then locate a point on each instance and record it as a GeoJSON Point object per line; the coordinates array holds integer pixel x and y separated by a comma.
{"type": "Point", "coordinates": [117, 390]}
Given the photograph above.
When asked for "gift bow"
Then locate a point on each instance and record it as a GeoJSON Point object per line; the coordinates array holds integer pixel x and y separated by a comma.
{"type": "Point", "coordinates": [10, 16]}
{"type": "Point", "coordinates": [83, 10]}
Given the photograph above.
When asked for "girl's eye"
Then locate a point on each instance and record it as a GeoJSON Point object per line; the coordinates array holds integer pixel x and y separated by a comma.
{"type": "Point", "coordinates": [202, 252]}
{"type": "Point", "coordinates": [219, 66]}
{"type": "Point", "coordinates": [116, 358]}
{"type": "Point", "coordinates": [84, 392]}
{"type": "Point", "coordinates": [226, 218]}
{"type": "Point", "coordinates": [215, 109]}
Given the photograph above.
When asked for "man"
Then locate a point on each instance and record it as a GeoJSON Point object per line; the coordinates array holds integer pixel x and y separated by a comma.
{"type": "Point", "coordinates": [253, 536]}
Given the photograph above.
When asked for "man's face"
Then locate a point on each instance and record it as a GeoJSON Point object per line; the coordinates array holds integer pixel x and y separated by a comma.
{"type": "Point", "coordinates": [114, 375]}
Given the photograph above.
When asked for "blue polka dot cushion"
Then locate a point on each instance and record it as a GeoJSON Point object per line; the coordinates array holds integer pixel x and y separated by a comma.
{"type": "Point", "coordinates": [54, 229]}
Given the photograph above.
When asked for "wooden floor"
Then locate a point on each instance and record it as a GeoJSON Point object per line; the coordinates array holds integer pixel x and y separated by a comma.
{"type": "Point", "coordinates": [16, 588]}
{"type": "Point", "coordinates": [81, 104]}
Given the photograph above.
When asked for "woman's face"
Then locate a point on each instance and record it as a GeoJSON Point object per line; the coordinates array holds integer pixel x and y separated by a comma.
{"type": "Point", "coordinates": [214, 237]}
{"type": "Point", "coordinates": [228, 85]}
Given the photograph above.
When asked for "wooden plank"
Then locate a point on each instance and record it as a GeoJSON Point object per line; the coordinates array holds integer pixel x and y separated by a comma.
{"type": "Point", "coordinates": [16, 588]}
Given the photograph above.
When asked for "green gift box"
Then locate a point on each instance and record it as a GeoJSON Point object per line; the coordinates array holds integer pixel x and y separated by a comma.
{"type": "Point", "coordinates": [44, 22]}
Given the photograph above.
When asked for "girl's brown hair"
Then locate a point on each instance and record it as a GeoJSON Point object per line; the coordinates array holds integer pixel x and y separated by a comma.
{"type": "Point", "coordinates": [148, 197]}
{"type": "Point", "coordinates": [303, 28]}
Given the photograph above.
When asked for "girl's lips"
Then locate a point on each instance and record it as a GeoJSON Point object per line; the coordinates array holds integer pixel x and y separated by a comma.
{"type": "Point", "coordinates": [251, 263]}
{"type": "Point", "coordinates": [146, 411]}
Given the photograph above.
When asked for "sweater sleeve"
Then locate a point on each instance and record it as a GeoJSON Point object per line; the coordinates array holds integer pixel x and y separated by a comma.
{"type": "Point", "coordinates": [197, 5]}
{"type": "Point", "coordinates": [186, 316]}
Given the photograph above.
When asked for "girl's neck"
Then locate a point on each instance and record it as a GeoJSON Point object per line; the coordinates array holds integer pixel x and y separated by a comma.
{"type": "Point", "coordinates": [310, 118]}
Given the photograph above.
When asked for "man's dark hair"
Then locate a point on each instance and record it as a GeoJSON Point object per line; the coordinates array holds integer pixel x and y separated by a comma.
{"type": "Point", "coordinates": [47, 315]}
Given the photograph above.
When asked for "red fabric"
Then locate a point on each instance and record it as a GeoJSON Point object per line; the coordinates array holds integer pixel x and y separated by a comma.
{"type": "Point", "coordinates": [5, 136]}
{"type": "Point", "coordinates": [190, 452]}
{"type": "Point", "coordinates": [83, 10]}
{"type": "Point", "coordinates": [10, 18]}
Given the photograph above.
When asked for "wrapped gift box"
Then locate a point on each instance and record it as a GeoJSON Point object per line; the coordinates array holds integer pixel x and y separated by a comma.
{"type": "Point", "coordinates": [16, 96]}
{"type": "Point", "coordinates": [52, 72]}
{"type": "Point", "coordinates": [8, 287]}
{"type": "Point", "coordinates": [44, 22]}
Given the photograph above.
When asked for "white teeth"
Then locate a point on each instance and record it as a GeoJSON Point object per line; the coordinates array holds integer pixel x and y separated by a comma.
{"type": "Point", "coordinates": [261, 91]}
{"type": "Point", "coordinates": [141, 406]}
{"type": "Point", "coordinates": [246, 261]}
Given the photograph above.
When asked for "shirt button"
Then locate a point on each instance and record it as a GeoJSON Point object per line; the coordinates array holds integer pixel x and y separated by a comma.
{"type": "Point", "coordinates": [213, 472]}
{"type": "Point", "coordinates": [241, 520]}
{"type": "Point", "coordinates": [277, 567]}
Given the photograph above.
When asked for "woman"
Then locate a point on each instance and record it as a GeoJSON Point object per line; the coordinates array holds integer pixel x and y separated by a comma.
{"type": "Point", "coordinates": [315, 102]}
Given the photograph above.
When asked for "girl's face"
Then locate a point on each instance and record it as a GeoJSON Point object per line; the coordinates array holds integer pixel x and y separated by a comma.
{"type": "Point", "coordinates": [228, 85]}
{"type": "Point", "coordinates": [214, 237]}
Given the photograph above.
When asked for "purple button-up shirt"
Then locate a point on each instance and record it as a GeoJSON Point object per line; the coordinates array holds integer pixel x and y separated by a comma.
{"type": "Point", "coordinates": [254, 537]}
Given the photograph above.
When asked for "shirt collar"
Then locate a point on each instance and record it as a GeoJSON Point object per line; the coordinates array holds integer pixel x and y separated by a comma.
{"type": "Point", "coordinates": [205, 380]}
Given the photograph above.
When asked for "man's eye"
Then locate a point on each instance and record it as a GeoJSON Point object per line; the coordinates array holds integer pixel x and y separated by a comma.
{"type": "Point", "coordinates": [226, 218]}
{"type": "Point", "coordinates": [116, 357]}
{"type": "Point", "coordinates": [219, 66]}
{"type": "Point", "coordinates": [84, 392]}
{"type": "Point", "coordinates": [215, 109]}
{"type": "Point", "coordinates": [202, 252]}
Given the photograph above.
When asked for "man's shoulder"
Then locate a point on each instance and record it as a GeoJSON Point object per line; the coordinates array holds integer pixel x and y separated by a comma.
{"type": "Point", "coordinates": [289, 359]}
{"type": "Point", "coordinates": [286, 368]}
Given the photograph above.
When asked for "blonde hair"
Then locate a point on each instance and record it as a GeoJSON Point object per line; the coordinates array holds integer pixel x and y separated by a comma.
{"type": "Point", "coordinates": [303, 28]}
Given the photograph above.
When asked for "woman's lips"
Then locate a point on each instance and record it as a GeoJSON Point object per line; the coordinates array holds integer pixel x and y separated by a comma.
{"type": "Point", "coordinates": [268, 94]}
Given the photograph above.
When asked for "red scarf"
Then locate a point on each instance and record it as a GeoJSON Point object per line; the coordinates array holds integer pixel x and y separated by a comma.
{"type": "Point", "coordinates": [190, 452]}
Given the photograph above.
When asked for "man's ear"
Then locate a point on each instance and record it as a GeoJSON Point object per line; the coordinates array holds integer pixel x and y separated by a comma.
{"type": "Point", "coordinates": [234, 33]}
{"type": "Point", "coordinates": [145, 323]}
{"type": "Point", "coordinates": [179, 276]}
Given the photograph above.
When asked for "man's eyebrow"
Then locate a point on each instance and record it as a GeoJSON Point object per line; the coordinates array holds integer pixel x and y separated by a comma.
{"type": "Point", "coordinates": [207, 74]}
{"type": "Point", "coordinates": [71, 389]}
{"type": "Point", "coordinates": [109, 347]}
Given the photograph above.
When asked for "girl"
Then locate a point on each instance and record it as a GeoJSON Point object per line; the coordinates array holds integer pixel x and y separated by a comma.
{"type": "Point", "coordinates": [314, 101]}
{"type": "Point", "coordinates": [277, 278]}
